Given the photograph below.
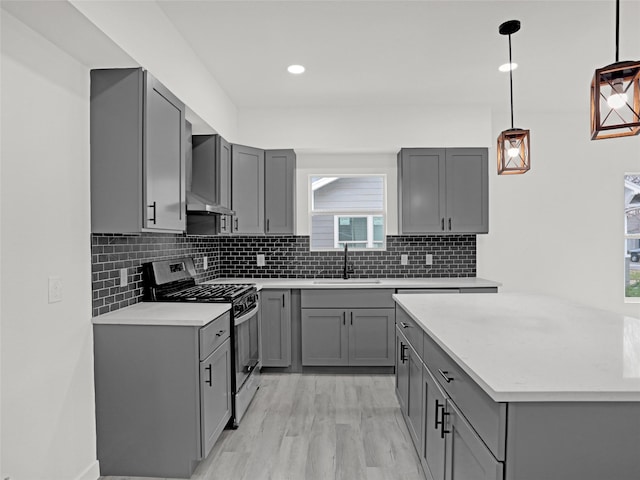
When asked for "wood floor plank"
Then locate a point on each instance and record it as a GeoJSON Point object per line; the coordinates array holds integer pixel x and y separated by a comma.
{"type": "Point", "coordinates": [316, 427]}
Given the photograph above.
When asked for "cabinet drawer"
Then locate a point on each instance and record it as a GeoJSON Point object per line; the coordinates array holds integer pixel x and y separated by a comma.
{"type": "Point", "coordinates": [487, 417]}
{"type": "Point", "coordinates": [348, 298]}
{"type": "Point", "coordinates": [214, 334]}
{"type": "Point", "coordinates": [410, 329]}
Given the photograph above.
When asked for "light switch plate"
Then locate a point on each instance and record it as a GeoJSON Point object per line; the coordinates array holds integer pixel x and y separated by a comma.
{"type": "Point", "coordinates": [124, 279]}
{"type": "Point", "coordinates": [404, 259]}
{"type": "Point", "coordinates": [55, 289]}
{"type": "Point", "coordinates": [260, 259]}
{"type": "Point", "coordinates": [205, 263]}
{"type": "Point", "coordinates": [428, 259]}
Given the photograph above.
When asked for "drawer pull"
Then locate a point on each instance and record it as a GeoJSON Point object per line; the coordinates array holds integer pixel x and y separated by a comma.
{"type": "Point", "coordinates": [403, 349]}
{"type": "Point", "coordinates": [445, 375]}
{"type": "Point", "coordinates": [220, 333]}
{"type": "Point", "coordinates": [405, 325]}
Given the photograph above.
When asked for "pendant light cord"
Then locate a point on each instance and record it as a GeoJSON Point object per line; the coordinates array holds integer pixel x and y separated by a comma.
{"type": "Point", "coordinates": [617, 27]}
{"type": "Point", "coordinates": [511, 80]}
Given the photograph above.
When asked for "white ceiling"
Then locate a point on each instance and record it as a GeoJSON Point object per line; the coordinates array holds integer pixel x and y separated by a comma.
{"type": "Point", "coordinates": [405, 52]}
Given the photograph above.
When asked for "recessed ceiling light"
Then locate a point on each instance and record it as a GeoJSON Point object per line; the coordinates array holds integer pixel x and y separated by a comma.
{"type": "Point", "coordinates": [295, 69]}
{"type": "Point", "coordinates": [505, 67]}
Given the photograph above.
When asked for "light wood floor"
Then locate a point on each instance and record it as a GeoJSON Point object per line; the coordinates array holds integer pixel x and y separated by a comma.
{"type": "Point", "coordinates": [316, 427]}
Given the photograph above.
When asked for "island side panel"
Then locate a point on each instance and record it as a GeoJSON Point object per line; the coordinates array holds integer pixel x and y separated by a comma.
{"type": "Point", "coordinates": [573, 440]}
{"type": "Point", "coordinates": [147, 405]}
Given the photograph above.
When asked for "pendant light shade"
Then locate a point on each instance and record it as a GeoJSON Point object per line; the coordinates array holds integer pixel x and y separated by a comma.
{"type": "Point", "coordinates": [513, 151]}
{"type": "Point", "coordinates": [513, 144]}
{"type": "Point", "coordinates": [615, 97]}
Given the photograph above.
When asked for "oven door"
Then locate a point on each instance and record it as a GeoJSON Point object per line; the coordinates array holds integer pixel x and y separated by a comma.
{"type": "Point", "coordinates": [246, 345]}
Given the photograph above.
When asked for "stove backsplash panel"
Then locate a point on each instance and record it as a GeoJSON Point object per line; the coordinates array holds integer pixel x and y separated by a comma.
{"type": "Point", "coordinates": [111, 252]}
{"type": "Point", "coordinates": [285, 256]}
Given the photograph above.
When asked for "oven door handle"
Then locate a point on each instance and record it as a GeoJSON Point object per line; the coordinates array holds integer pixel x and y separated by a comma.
{"type": "Point", "coordinates": [246, 316]}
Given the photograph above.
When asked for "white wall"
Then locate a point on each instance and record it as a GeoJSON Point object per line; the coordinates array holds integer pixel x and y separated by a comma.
{"type": "Point", "coordinates": [48, 423]}
{"type": "Point", "coordinates": [146, 34]}
{"type": "Point", "coordinates": [558, 229]}
{"type": "Point", "coordinates": [365, 129]}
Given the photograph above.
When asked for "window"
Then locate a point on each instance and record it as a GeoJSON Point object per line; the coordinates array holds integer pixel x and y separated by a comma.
{"type": "Point", "coordinates": [348, 209]}
{"type": "Point", "coordinates": [632, 236]}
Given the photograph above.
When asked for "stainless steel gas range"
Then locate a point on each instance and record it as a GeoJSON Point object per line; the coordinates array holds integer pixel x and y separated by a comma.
{"type": "Point", "coordinates": [174, 281]}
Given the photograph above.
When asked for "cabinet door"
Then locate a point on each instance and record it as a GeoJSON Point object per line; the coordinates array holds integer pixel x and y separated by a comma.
{"type": "Point", "coordinates": [215, 395]}
{"type": "Point", "coordinates": [163, 158]}
{"type": "Point", "coordinates": [223, 170]}
{"type": "Point", "coordinates": [467, 205]}
{"type": "Point", "coordinates": [279, 191]}
{"type": "Point", "coordinates": [432, 454]}
{"type": "Point", "coordinates": [421, 180]}
{"type": "Point", "coordinates": [467, 457]}
{"type": "Point", "coordinates": [275, 315]}
{"type": "Point", "coordinates": [371, 336]}
{"type": "Point", "coordinates": [247, 189]}
{"type": "Point", "coordinates": [402, 371]}
{"type": "Point", "coordinates": [324, 337]}
{"type": "Point", "coordinates": [415, 406]}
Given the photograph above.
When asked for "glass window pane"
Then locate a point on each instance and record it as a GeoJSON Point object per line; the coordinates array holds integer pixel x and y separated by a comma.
{"type": "Point", "coordinates": [347, 193]}
{"type": "Point", "coordinates": [322, 231]}
{"type": "Point", "coordinates": [632, 204]}
{"type": "Point", "coordinates": [352, 229]}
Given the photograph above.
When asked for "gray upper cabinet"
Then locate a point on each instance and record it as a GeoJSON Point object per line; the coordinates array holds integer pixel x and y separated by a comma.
{"type": "Point", "coordinates": [137, 154]}
{"type": "Point", "coordinates": [275, 331]}
{"type": "Point", "coordinates": [443, 190]}
{"type": "Point", "coordinates": [247, 189]}
{"type": "Point", "coordinates": [279, 191]}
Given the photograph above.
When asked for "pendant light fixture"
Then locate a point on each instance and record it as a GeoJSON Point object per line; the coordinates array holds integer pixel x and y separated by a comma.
{"type": "Point", "coordinates": [513, 144]}
{"type": "Point", "coordinates": [615, 96]}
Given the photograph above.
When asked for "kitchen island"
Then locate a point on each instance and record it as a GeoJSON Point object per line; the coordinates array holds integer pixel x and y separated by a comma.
{"type": "Point", "coordinates": [519, 387]}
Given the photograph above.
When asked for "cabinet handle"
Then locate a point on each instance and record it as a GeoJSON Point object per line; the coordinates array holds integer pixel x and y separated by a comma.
{"type": "Point", "coordinates": [210, 381]}
{"type": "Point", "coordinates": [403, 349]}
{"type": "Point", "coordinates": [283, 300]}
{"type": "Point", "coordinates": [449, 223]}
{"type": "Point", "coordinates": [443, 431]}
{"type": "Point", "coordinates": [267, 224]}
{"type": "Point", "coordinates": [236, 223]}
{"type": "Point", "coordinates": [442, 224]}
{"type": "Point", "coordinates": [405, 325]}
{"type": "Point", "coordinates": [351, 318]}
{"type": "Point", "coordinates": [438, 422]}
{"type": "Point", "coordinates": [224, 222]}
{"type": "Point", "coordinates": [344, 318]}
{"type": "Point", "coordinates": [153, 219]}
{"type": "Point", "coordinates": [445, 375]}
{"type": "Point", "coordinates": [220, 333]}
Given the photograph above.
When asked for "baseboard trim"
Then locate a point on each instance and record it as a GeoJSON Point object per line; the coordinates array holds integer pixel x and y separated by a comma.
{"type": "Point", "coordinates": [92, 472]}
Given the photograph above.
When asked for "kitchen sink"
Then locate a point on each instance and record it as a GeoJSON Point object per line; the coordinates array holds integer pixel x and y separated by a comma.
{"type": "Point", "coordinates": [347, 281]}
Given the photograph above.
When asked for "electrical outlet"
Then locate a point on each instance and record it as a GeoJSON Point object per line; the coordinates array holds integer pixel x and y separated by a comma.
{"type": "Point", "coordinates": [260, 259]}
{"type": "Point", "coordinates": [428, 259]}
{"type": "Point", "coordinates": [55, 289]}
{"type": "Point", "coordinates": [404, 259]}
{"type": "Point", "coordinates": [124, 277]}
{"type": "Point", "coordinates": [205, 263]}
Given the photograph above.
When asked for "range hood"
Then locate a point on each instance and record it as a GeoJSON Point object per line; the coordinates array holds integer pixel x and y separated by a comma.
{"type": "Point", "coordinates": [198, 205]}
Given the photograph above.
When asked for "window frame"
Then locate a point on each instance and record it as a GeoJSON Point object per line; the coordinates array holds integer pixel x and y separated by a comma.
{"type": "Point", "coordinates": [628, 236]}
{"type": "Point", "coordinates": [349, 213]}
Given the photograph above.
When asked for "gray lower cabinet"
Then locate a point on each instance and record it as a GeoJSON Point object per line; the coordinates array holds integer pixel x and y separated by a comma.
{"type": "Point", "coordinates": [247, 189]}
{"type": "Point", "coordinates": [138, 143]}
{"type": "Point", "coordinates": [275, 328]}
{"type": "Point", "coordinates": [163, 396]}
{"type": "Point", "coordinates": [279, 191]}
{"type": "Point", "coordinates": [402, 371]}
{"type": "Point", "coordinates": [215, 395]}
{"type": "Point", "coordinates": [348, 327]}
{"type": "Point", "coordinates": [443, 190]}
{"type": "Point", "coordinates": [432, 452]}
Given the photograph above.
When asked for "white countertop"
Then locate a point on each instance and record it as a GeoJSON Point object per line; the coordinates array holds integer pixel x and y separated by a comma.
{"type": "Point", "coordinates": [310, 283]}
{"type": "Point", "coordinates": [524, 347]}
{"type": "Point", "coordinates": [164, 313]}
